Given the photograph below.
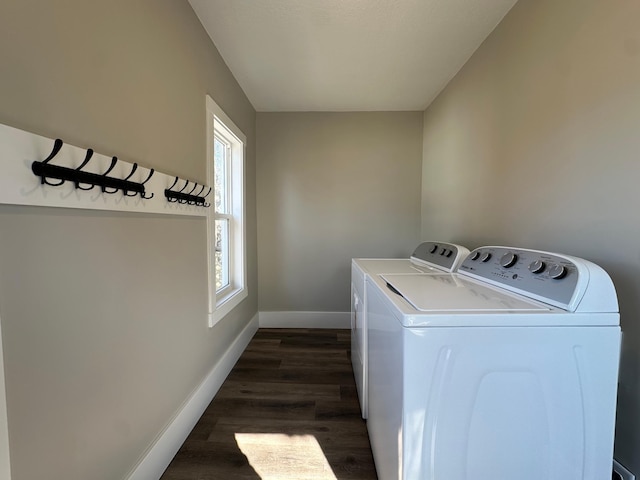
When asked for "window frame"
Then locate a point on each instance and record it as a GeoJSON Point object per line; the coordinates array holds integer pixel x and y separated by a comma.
{"type": "Point", "coordinates": [222, 302]}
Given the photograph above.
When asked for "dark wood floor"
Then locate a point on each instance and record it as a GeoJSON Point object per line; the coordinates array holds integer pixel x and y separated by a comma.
{"type": "Point", "coordinates": [288, 410]}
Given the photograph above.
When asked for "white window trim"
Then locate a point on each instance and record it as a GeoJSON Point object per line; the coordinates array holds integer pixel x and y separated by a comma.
{"type": "Point", "coordinates": [220, 305]}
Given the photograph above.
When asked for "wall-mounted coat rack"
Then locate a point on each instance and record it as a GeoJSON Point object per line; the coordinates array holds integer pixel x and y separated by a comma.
{"type": "Point", "coordinates": [189, 198]}
{"type": "Point", "coordinates": [87, 180]}
{"type": "Point", "coordinates": [67, 177]}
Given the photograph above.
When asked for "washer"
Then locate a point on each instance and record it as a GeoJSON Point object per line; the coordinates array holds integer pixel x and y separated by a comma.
{"type": "Point", "coordinates": [428, 257]}
{"type": "Point", "coordinates": [506, 369]}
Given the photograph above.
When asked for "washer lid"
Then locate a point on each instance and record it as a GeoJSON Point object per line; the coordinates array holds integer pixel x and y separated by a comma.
{"type": "Point", "coordinates": [376, 266]}
{"type": "Point", "coordinates": [452, 293]}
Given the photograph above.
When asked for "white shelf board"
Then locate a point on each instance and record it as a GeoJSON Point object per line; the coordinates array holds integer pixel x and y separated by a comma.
{"type": "Point", "coordinates": [20, 186]}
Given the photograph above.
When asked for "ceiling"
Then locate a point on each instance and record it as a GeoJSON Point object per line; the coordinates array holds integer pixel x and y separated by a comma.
{"type": "Point", "coordinates": [346, 55]}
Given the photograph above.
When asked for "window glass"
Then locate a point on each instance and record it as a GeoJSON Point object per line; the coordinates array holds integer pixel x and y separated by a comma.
{"type": "Point", "coordinates": [220, 174]}
{"type": "Point", "coordinates": [222, 253]}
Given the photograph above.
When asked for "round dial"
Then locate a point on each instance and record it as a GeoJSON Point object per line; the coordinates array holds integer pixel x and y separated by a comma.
{"type": "Point", "coordinates": [537, 266]}
{"type": "Point", "coordinates": [485, 257]}
{"type": "Point", "coordinates": [433, 249]}
{"type": "Point", "coordinates": [508, 260]}
{"type": "Point", "coordinates": [557, 271]}
{"type": "Point", "coordinates": [475, 256]}
{"type": "Point", "coordinates": [449, 253]}
{"type": "Point", "coordinates": [443, 251]}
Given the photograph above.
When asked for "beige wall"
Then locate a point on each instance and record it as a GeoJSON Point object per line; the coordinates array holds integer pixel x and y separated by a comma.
{"type": "Point", "coordinates": [332, 186]}
{"type": "Point", "coordinates": [104, 315]}
{"type": "Point", "coordinates": [536, 143]}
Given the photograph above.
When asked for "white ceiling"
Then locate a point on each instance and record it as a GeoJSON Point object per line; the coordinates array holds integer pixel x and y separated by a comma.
{"type": "Point", "coordinates": [346, 55]}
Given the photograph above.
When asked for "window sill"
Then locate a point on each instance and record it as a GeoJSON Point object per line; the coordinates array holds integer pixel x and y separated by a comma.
{"type": "Point", "coordinates": [225, 304]}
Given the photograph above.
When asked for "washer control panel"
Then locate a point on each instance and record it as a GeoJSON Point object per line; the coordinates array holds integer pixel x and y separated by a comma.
{"type": "Point", "coordinates": [445, 255]}
{"type": "Point", "coordinates": [542, 275]}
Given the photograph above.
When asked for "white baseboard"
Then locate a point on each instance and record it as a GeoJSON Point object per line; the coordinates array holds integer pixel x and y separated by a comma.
{"type": "Point", "coordinates": [305, 320]}
{"type": "Point", "coordinates": [157, 458]}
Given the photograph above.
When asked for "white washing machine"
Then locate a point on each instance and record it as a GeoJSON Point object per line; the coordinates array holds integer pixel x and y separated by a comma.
{"type": "Point", "coordinates": [505, 370]}
{"type": "Point", "coordinates": [428, 257]}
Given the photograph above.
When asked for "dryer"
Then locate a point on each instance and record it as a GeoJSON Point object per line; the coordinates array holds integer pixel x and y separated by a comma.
{"type": "Point", "coordinates": [428, 257]}
{"type": "Point", "coordinates": [506, 369]}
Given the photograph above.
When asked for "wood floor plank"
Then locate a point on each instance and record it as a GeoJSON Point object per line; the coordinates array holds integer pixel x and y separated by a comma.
{"type": "Point", "coordinates": [329, 434]}
{"type": "Point", "coordinates": [353, 464]}
{"type": "Point", "coordinates": [260, 361]}
{"type": "Point", "coordinates": [263, 407]}
{"type": "Point", "coordinates": [302, 354]}
{"type": "Point", "coordinates": [344, 336]}
{"type": "Point", "coordinates": [315, 363]}
{"type": "Point", "coordinates": [278, 391]}
{"type": "Point", "coordinates": [337, 410]}
{"type": "Point", "coordinates": [288, 410]}
{"type": "Point", "coordinates": [202, 459]}
{"type": "Point", "coordinates": [349, 392]}
{"type": "Point", "coordinates": [291, 375]}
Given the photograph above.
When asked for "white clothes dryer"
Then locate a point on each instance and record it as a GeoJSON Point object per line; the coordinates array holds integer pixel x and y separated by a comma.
{"type": "Point", "coordinates": [428, 257]}
{"type": "Point", "coordinates": [507, 369]}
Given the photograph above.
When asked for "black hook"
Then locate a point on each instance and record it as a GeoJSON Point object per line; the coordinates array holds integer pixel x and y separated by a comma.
{"type": "Point", "coordinates": [191, 200]}
{"type": "Point", "coordinates": [135, 167]}
{"type": "Point", "coordinates": [57, 145]}
{"type": "Point", "coordinates": [170, 197]}
{"type": "Point", "coordinates": [151, 172]}
{"type": "Point", "coordinates": [85, 161]}
{"type": "Point", "coordinates": [173, 184]}
{"type": "Point", "coordinates": [182, 199]}
{"type": "Point", "coordinates": [87, 157]}
{"type": "Point", "coordinates": [207, 204]}
{"type": "Point", "coordinates": [114, 160]}
{"type": "Point", "coordinates": [143, 193]}
{"type": "Point", "coordinates": [125, 191]}
{"type": "Point", "coordinates": [185, 186]}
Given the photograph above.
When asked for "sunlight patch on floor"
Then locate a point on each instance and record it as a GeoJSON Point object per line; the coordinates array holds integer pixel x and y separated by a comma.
{"type": "Point", "coordinates": [276, 456]}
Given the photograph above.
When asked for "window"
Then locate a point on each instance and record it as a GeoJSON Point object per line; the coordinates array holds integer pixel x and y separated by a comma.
{"type": "Point", "coordinates": [226, 233]}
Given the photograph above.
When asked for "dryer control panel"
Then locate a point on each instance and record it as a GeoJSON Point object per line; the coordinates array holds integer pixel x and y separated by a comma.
{"type": "Point", "coordinates": [551, 278]}
{"type": "Point", "coordinates": [447, 256]}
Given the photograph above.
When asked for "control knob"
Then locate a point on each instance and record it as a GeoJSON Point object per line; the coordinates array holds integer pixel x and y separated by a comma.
{"type": "Point", "coordinates": [508, 260]}
{"type": "Point", "coordinates": [557, 271]}
{"type": "Point", "coordinates": [475, 255]}
{"type": "Point", "coordinates": [537, 266]}
{"type": "Point", "coordinates": [485, 257]}
{"type": "Point", "coordinates": [433, 249]}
